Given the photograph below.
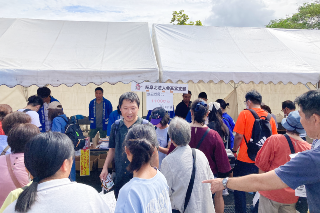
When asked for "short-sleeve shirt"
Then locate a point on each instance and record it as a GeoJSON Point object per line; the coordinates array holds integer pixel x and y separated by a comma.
{"type": "Point", "coordinates": [304, 169]}
{"type": "Point", "coordinates": [145, 195]}
{"type": "Point", "coordinates": [34, 117]}
{"type": "Point", "coordinates": [19, 170]}
{"type": "Point", "coordinates": [213, 148]}
{"type": "Point", "coordinates": [182, 109]}
{"type": "Point", "coordinates": [274, 153]}
{"type": "Point", "coordinates": [244, 127]}
{"type": "Point", "coordinates": [162, 136]}
{"type": "Point", "coordinates": [120, 158]}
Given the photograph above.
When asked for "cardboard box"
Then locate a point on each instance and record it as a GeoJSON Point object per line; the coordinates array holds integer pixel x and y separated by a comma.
{"type": "Point", "coordinates": [102, 159]}
{"type": "Point", "coordinates": [93, 162]}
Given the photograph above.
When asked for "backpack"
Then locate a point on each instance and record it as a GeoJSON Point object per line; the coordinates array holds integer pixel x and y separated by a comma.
{"type": "Point", "coordinates": [260, 132]}
{"type": "Point", "coordinates": [117, 122]}
{"type": "Point", "coordinates": [74, 132]}
{"type": "Point", "coordinates": [26, 110]}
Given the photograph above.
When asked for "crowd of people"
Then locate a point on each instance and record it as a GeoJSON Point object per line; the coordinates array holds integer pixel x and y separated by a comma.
{"type": "Point", "coordinates": [170, 162]}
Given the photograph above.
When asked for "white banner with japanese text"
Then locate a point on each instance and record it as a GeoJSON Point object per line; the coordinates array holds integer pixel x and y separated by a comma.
{"type": "Point", "coordinates": [155, 87]}
{"type": "Point", "coordinates": [160, 99]}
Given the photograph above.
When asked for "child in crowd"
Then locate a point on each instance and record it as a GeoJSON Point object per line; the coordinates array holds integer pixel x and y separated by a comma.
{"type": "Point", "coordinates": [148, 190]}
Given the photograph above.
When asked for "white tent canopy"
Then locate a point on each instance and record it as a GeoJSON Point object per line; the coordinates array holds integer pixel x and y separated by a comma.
{"type": "Point", "coordinates": [40, 52]}
{"type": "Point", "coordinates": [237, 54]}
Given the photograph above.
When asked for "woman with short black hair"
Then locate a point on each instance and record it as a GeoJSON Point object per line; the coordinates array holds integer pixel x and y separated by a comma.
{"type": "Point", "coordinates": [48, 158]}
{"type": "Point", "coordinates": [147, 191]}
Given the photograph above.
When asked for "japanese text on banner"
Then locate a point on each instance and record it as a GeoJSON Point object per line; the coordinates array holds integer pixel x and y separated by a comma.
{"type": "Point", "coordinates": [159, 99]}
{"type": "Point", "coordinates": [85, 162]}
{"type": "Point", "coordinates": [154, 87]}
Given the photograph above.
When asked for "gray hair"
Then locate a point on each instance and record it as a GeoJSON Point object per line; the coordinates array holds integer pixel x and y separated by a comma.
{"type": "Point", "coordinates": [180, 131]}
{"type": "Point", "coordinates": [131, 96]}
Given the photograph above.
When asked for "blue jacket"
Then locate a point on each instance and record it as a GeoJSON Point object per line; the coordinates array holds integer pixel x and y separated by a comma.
{"type": "Point", "coordinates": [107, 109]}
{"type": "Point", "coordinates": [42, 116]}
{"type": "Point", "coordinates": [230, 124]}
{"type": "Point", "coordinates": [112, 118]}
{"type": "Point", "coordinates": [59, 124]}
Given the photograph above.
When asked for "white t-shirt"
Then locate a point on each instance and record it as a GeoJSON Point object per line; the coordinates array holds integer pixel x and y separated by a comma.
{"type": "Point", "coordinates": [34, 117]}
{"type": "Point", "coordinates": [62, 195]}
{"type": "Point", "coordinates": [162, 135]}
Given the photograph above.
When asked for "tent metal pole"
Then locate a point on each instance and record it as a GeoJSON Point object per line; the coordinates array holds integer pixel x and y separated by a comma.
{"type": "Point", "coordinates": [307, 86]}
{"type": "Point", "coordinates": [233, 86]}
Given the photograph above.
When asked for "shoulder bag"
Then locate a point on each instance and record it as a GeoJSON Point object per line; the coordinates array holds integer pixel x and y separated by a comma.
{"type": "Point", "coordinates": [190, 187]}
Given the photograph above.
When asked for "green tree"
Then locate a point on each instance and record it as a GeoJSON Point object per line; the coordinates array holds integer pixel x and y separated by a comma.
{"type": "Point", "coordinates": [180, 18]}
{"type": "Point", "coordinates": [308, 17]}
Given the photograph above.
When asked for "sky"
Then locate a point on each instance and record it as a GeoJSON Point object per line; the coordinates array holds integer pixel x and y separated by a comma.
{"type": "Point", "coordinates": [235, 13]}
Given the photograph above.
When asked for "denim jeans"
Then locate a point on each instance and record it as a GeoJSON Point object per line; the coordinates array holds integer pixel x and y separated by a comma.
{"type": "Point", "coordinates": [242, 169]}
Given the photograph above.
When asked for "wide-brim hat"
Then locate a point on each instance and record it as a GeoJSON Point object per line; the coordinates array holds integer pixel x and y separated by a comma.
{"type": "Point", "coordinates": [55, 105]}
{"type": "Point", "coordinates": [292, 122]}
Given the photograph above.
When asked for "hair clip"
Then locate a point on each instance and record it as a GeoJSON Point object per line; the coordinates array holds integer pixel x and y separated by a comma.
{"type": "Point", "coordinates": [202, 103]}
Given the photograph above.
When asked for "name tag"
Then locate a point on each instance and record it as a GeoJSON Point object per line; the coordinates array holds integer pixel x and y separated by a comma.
{"type": "Point", "coordinates": [301, 191]}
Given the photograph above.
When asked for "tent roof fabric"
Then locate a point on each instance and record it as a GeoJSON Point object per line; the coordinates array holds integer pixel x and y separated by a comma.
{"type": "Point", "coordinates": [237, 54]}
{"type": "Point", "coordinates": [39, 52]}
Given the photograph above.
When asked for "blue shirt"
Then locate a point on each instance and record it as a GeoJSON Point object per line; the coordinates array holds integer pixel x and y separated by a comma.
{"type": "Point", "coordinates": [112, 118]}
{"type": "Point", "coordinates": [229, 120]}
{"type": "Point", "coordinates": [145, 195]}
{"type": "Point", "coordinates": [304, 169]}
{"type": "Point", "coordinates": [230, 124]}
{"type": "Point", "coordinates": [59, 124]}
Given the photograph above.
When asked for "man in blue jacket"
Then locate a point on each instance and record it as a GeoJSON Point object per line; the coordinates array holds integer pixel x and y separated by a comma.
{"type": "Point", "coordinates": [44, 93]}
{"type": "Point", "coordinates": [99, 111]}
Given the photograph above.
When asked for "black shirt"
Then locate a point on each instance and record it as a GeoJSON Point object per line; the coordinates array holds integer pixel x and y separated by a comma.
{"type": "Point", "coordinates": [182, 109]}
{"type": "Point", "coordinates": [120, 158]}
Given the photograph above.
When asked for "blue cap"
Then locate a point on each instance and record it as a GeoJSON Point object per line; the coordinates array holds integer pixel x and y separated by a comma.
{"type": "Point", "coordinates": [292, 122]}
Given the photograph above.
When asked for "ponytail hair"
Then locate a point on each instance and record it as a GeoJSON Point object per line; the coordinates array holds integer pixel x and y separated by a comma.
{"type": "Point", "coordinates": [140, 141]}
{"type": "Point", "coordinates": [200, 110]}
{"type": "Point", "coordinates": [43, 157]}
{"type": "Point", "coordinates": [222, 103]}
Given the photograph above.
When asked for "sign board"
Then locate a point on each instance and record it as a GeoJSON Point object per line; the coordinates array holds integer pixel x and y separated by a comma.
{"type": "Point", "coordinates": [155, 87]}
{"type": "Point", "coordinates": [160, 99]}
{"type": "Point", "coordinates": [85, 162]}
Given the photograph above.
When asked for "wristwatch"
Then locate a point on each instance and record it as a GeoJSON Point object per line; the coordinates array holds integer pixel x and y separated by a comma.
{"type": "Point", "coordinates": [225, 182]}
{"type": "Point", "coordinates": [234, 151]}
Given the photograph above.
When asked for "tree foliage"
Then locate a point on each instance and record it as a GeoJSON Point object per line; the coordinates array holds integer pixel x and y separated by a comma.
{"type": "Point", "coordinates": [308, 17]}
{"type": "Point", "coordinates": [180, 18]}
